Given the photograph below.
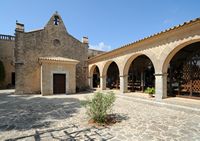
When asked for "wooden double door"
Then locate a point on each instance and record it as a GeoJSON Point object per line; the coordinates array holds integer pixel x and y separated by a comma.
{"type": "Point", "coordinates": [59, 83]}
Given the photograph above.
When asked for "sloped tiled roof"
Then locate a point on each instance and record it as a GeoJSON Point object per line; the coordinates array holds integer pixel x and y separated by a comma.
{"type": "Point", "coordinates": [153, 35]}
{"type": "Point", "coordinates": [169, 29]}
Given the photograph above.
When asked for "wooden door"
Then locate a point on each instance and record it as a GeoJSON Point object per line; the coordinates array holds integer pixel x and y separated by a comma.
{"type": "Point", "coordinates": [59, 83]}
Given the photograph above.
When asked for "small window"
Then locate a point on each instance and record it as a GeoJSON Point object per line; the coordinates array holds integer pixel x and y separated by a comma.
{"type": "Point", "coordinates": [56, 43]}
{"type": "Point", "coordinates": [56, 20]}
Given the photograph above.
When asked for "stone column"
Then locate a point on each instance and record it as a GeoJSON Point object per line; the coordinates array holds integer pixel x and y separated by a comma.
{"type": "Point", "coordinates": [161, 86]}
{"type": "Point", "coordinates": [123, 83]}
{"type": "Point", "coordinates": [19, 59]}
{"type": "Point", "coordinates": [90, 82]}
{"type": "Point", "coordinates": [102, 82]}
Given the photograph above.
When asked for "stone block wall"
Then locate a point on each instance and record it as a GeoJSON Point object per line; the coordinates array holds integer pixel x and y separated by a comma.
{"type": "Point", "coordinates": [7, 44]}
{"type": "Point", "coordinates": [52, 41]}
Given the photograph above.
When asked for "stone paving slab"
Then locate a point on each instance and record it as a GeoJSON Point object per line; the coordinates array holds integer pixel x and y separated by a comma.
{"type": "Point", "coordinates": [60, 117]}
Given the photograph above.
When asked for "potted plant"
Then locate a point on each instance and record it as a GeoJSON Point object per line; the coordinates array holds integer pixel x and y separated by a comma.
{"type": "Point", "coordinates": [150, 91]}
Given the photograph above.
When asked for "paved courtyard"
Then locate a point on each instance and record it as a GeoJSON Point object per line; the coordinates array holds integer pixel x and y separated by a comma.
{"type": "Point", "coordinates": [60, 117]}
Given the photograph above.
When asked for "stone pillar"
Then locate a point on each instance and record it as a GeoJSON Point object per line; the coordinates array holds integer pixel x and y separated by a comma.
{"type": "Point", "coordinates": [102, 82]}
{"type": "Point", "coordinates": [19, 59]}
{"type": "Point", "coordinates": [161, 86]}
{"type": "Point", "coordinates": [123, 83]}
{"type": "Point", "coordinates": [90, 82]}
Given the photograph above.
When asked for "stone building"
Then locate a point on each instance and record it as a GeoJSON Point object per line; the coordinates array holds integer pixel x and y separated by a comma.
{"type": "Point", "coordinates": [168, 61]}
{"type": "Point", "coordinates": [45, 61]}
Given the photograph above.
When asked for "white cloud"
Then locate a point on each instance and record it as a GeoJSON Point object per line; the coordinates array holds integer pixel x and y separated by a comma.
{"type": "Point", "coordinates": [101, 46]}
{"type": "Point", "coordinates": [167, 21]}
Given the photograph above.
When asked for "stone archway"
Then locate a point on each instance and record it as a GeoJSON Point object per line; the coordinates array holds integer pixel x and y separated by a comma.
{"type": "Point", "coordinates": [140, 74]}
{"type": "Point", "coordinates": [168, 54]}
{"type": "Point", "coordinates": [184, 72]}
{"type": "Point", "coordinates": [103, 76]}
{"type": "Point", "coordinates": [125, 76]}
{"type": "Point", "coordinates": [112, 76]}
{"type": "Point", "coordinates": [94, 76]}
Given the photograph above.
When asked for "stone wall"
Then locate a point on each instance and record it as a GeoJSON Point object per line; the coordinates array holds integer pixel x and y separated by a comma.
{"type": "Point", "coordinates": [52, 41]}
{"type": "Point", "coordinates": [93, 52]}
{"type": "Point", "coordinates": [7, 44]}
{"type": "Point", "coordinates": [49, 68]}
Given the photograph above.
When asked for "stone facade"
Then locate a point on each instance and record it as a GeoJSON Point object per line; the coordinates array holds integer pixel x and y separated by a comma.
{"type": "Point", "coordinates": [20, 55]}
{"type": "Point", "coordinates": [7, 44]}
{"type": "Point", "coordinates": [52, 41]}
{"type": "Point", "coordinates": [159, 48]}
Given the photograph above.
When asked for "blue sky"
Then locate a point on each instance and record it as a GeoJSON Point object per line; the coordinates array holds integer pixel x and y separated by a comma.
{"type": "Point", "coordinates": [108, 24]}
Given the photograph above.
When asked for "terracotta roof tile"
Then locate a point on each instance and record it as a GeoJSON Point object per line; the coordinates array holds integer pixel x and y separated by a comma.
{"type": "Point", "coordinates": [164, 31]}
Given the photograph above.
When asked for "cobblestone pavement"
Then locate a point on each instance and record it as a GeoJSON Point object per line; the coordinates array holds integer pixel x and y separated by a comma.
{"type": "Point", "coordinates": [60, 118]}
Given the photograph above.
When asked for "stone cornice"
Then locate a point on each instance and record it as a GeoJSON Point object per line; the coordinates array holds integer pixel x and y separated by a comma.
{"type": "Point", "coordinates": [57, 60]}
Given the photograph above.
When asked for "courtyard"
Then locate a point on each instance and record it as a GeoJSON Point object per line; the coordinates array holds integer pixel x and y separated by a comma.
{"type": "Point", "coordinates": [61, 117]}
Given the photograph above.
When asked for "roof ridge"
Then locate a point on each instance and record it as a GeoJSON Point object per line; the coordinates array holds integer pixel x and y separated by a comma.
{"type": "Point", "coordinates": [164, 31]}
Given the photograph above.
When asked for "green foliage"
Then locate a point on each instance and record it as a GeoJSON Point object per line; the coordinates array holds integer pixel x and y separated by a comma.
{"type": "Point", "coordinates": [2, 72]}
{"type": "Point", "coordinates": [99, 105]}
{"type": "Point", "coordinates": [150, 90]}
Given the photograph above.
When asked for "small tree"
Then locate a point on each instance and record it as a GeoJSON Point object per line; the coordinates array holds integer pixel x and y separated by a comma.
{"type": "Point", "coordinates": [99, 106]}
{"type": "Point", "coordinates": [2, 72]}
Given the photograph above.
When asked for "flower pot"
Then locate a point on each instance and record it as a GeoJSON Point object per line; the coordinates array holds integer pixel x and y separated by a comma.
{"type": "Point", "coordinates": [150, 95]}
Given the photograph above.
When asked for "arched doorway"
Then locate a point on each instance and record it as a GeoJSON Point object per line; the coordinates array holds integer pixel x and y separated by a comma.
{"type": "Point", "coordinates": [184, 72]}
{"type": "Point", "coordinates": [141, 74]}
{"type": "Point", "coordinates": [112, 79]}
{"type": "Point", "coordinates": [96, 78]}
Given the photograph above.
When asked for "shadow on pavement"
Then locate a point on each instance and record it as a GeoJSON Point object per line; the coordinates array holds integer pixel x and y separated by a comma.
{"type": "Point", "coordinates": [71, 133]}
{"type": "Point", "coordinates": [26, 112]}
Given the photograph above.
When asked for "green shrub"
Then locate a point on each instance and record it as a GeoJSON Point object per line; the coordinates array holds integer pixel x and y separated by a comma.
{"type": "Point", "coordinates": [2, 72]}
{"type": "Point", "coordinates": [150, 90]}
{"type": "Point", "coordinates": [99, 105]}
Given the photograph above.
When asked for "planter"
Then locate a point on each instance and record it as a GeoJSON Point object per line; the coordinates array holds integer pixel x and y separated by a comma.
{"type": "Point", "coordinates": [151, 95]}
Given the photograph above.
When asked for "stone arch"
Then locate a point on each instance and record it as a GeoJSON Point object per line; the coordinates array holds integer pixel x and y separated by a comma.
{"type": "Point", "coordinates": [92, 69]}
{"type": "Point", "coordinates": [112, 76]}
{"type": "Point", "coordinates": [91, 73]}
{"type": "Point", "coordinates": [106, 65]}
{"type": "Point", "coordinates": [173, 52]}
{"type": "Point", "coordinates": [138, 78]}
{"type": "Point", "coordinates": [132, 58]}
{"type": "Point", "coordinates": [166, 56]}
